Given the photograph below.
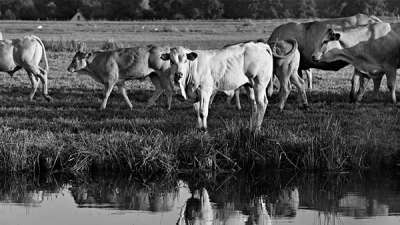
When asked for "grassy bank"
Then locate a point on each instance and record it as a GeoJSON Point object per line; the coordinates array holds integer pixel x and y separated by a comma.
{"type": "Point", "coordinates": [70, 134]}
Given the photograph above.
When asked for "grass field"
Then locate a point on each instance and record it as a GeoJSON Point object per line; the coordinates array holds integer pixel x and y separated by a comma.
{"type": "Point", "coordinates": [70, 134]}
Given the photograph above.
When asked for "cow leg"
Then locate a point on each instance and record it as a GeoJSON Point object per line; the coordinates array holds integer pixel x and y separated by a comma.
{"type": "Point", "coordinates": [168, 87]}
{"type": "Point", "coordinates": [270, 87]}
{"type": "Point", "coordinates": [391, 83]}
{"type": "Point", "coordinates": [122, 90]}
{"type": "Point", "coordinates": [155, 79]}
{"type": "Point", "coordinates": [301, 89]}
{"type": "Point", "coordinates": [42, 75]}
{"type": "Point", "coordinates": [354, 85]}
{"type": "Point", "coordinates": [361, 91]}
{"type": "Point", "coordinates": [201, 109]}
{"type": "Point", "coordinates": [261, 105]}
{"type": "Point", "coordinates": [377, 84]}
{"type": "Point", "coordinates": [237, 99]}
{"type": "Point", "coordinates": [11, 73]}
{"type": "Point", "coordinates": [196, 107]}
{"type": "Point", "coordinates": [35, 83]}
{"type": "Point", "coordinates": [309, 78]}
{"type": "Point", "coordinates": [212, 98]}
{"type": "Point", "coordinates": [284, 90]}
{"type": "Point", "coordinates": [252, 98]}
{"type": "Point", "coordinates": [108, 89]}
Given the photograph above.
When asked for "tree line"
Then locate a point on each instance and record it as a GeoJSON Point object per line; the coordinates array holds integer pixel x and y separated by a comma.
{"type": "Point", "coordinates": [192, 9]}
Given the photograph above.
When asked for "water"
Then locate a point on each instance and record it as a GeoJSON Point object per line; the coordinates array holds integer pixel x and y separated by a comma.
{"type": "Point", "coordinates": [268, 199]}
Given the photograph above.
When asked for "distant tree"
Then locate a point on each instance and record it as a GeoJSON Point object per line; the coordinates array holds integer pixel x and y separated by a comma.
{"type": "Point", "coordinates": [257, 9]}
{"type": "Point", "coordinates": [370, 7]}
{"type": "Point", "coordinates": [307, 8]}
{"type": "Point", "coordinates": [236, 8]}
{"type": "Point", "coordinates": [213, 9]}
{"type": "Point", "coordinates": [168, 9]}
{"type": "Point", "coordinates": [21, 9]}
{"type": "Point", "coordinates": [375, 7]}
{"type": "Point", "coordinates": [92, 9]}
{"type": "Point", "coordinates": [210, 9]}
{"type": "Point", "coordinates": [9, 15]}
{"type": "Point", "coordinates": [278, 10]}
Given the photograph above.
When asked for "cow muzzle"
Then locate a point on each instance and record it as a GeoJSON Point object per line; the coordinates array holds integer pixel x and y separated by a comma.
{"type": "Point", "coordinates": [316, 58]}
{"type": "Point", "coordinates": [70, 69]}
{"type": "Point", "coordinates": [177, 77]}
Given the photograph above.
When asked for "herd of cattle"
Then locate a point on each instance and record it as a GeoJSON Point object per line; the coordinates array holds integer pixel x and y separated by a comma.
{"type": "Point", "coordinates": [370, 45]}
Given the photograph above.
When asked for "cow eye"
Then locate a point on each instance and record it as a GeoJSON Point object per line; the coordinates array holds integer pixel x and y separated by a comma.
{"type": "Point", "coordinates": [325, 42]}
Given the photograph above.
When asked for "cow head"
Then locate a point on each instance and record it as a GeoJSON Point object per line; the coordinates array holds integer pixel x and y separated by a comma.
{"type": "Point", "coordinates": [180, 59]}
{"type": "Point", "coordinates": [79, 61]}
{"type": "Point", "coordinates": [328, 42]}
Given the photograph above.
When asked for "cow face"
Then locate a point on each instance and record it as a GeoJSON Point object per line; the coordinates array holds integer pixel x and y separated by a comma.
{"type": "Point", "coordinates": [79, 61]}
{"type": "Point", "coordinates": [328, 42]}
{"type": "Point", "coordinates": [180, 59]}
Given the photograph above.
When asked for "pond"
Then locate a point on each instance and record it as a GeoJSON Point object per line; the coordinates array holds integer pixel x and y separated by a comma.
{"type": "Point", "coordinates": [232, 199]}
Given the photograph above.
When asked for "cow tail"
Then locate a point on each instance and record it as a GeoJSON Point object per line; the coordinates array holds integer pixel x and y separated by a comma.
{"type": "Point", "coordinates": [44, 52]}
{"type": "Point", "coordinates": [292, 51]}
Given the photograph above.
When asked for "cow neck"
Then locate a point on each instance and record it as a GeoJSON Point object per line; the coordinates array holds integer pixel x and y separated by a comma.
{"type": "Point", "coordinates": [87, 69]}
{"type": "Point", "coordinates": [88, 63]}
{"type": "Point", "coordinates": [354, 36]}
{"type": "Point", "coordinates": [190, 75]}
{"type": "Point", "coordinates": [343, 54]}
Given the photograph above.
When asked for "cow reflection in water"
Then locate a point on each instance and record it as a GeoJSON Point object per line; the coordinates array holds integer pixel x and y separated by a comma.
{"type": "Point", "coordinates": [124, 197]}
{"type": "Point", "coordinates": [287, 203]}
{"type": "Point", "coordinates": [198, 210]}
{"type": "Point", "coordinates": [360, 206]}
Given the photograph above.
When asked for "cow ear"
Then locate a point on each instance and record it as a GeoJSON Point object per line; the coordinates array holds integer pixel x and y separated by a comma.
{"type": "Point", "coordinates": [191, 56]}
{"type": "Point", "coordinates": [336, 36]}
{"type": "Point", "coordinates": [165, 56]}
{"type": "Point", "coordinates": [332, 35]}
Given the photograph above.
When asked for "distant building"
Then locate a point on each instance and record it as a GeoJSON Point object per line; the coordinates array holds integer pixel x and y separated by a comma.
{"type": "Point", "coordinates": [78, 17]}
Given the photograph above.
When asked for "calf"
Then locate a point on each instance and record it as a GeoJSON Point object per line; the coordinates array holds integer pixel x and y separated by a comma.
{"type": "Point", "coordinates": [117, 66]}
{"type": "Point", "coordinates": [200, 73]}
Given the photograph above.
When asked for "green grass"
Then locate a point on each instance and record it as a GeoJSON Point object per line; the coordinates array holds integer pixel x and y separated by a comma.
{"type": "Point", "coordinates": [70, 134]}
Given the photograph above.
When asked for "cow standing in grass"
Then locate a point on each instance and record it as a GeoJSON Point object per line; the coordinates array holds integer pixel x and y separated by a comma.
{"type": "Point", "coordinates": [286, 64]}
{"type": "Point", "coordinates": [202, 72]}
{"type": "Point", "coordinates": [26, 53]}
{"type": "Point", "coordinates": [115, 67]}
{"type": "Point", "coordinates": [373, 49]}
{"type": "Point", "coordinates": [307, 35]}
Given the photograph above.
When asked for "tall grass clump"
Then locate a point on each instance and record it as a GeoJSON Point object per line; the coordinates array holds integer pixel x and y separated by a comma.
{"type": "Point", "coordinates": [324, 147]}
{"type": "Point", "coordinates": [111, 45]}
{"type": "Point", "coordinates": [280, 147]}
{"type": "Point", "coordinates": [64, 45]}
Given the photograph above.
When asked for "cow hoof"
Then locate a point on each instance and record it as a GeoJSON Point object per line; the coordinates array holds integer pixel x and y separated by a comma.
{"type": "Point", "coordinates": [203, 130]}
{"type": "Point", "coordinates": [306, 108]}
{"type": "Point", "coordinates": [48, 98]}
{"type": "Point", "coordinates": [353, 99]}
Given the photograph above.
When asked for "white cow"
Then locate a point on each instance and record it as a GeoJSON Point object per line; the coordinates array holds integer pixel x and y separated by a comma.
{"type": "Point", "coordinates": [202, 72]}
{"type": "Point", "coordinates": [25, 53]}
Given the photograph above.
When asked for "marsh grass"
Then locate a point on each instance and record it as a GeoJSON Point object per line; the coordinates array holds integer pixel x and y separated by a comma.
{"type": "Point", "coordinates": [64, 45]}
{"type": "Point", "coordinates": [70, 134]}
{"type": "Point", "coordinates": [111, 45]}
